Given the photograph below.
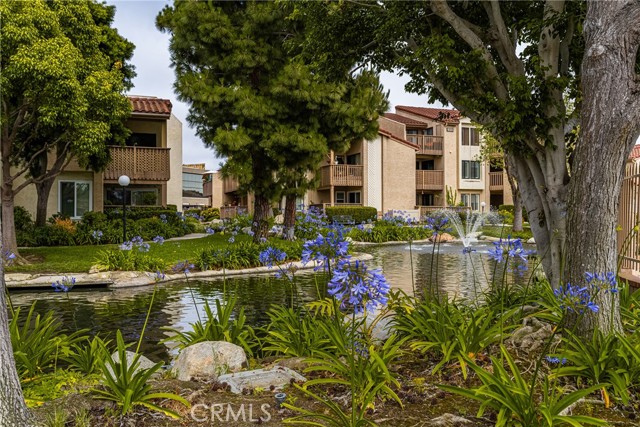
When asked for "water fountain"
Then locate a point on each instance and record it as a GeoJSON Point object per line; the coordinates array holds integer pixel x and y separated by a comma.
{"type": "Point", "coordinates": [474, 220]}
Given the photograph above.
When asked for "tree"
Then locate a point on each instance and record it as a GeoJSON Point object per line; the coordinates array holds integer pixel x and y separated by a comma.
{"type": "Point", "coordinates": [266, 112]}
{"type": "Point", "coordinates": [63, 81]}
{"type": "Point", "coordinates": [492, 152]}
{"type": "Point", "coordinates": [467, 54]}
{"type": "Point", "coordinates": [13, 410]}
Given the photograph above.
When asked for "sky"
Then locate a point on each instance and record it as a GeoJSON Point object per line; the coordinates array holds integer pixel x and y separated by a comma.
{"type": "Point", "coordinates": [135, 20]}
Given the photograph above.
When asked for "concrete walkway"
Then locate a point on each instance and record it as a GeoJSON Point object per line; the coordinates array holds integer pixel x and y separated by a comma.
{"type": "Point", "coordinates": [188, 237]}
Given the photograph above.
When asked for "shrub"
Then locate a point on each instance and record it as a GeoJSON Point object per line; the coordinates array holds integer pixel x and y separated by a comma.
{"type": "Point", "coordinates": [244, 254]}
{"type": "Point", "coordinates": [210, 214]}
{"type": "Point", "coordinates": [359, 214]}
{"type": "Point", "coordinates": [507, 216]}
{"type": "Point", "coordinates": [140, 212]}
{"type": "Point", "coordinates": [131, 260]}
{"type": "Point", "coordinates": [24, 226]}
{"type": "Point", "coordinates": [510, 209]}
{"type": "Point", "coordinates": [382, 232]}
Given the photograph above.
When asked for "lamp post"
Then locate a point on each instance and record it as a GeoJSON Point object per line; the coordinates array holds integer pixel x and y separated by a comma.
{"type": "Point", "coordinates": [124, 180]}
{"type": "Point", "coordinates": [482, 205]}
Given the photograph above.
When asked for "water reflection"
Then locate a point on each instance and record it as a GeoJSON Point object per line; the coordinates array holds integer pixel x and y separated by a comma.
{"type": "Point", "coordinates": [106, 310]}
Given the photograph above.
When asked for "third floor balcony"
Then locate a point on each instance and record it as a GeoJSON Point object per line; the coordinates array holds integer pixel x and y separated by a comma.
{"type": "Point", "coordinates": [496, 181]}
{"type": "Point", "coordinates": [429, 144]}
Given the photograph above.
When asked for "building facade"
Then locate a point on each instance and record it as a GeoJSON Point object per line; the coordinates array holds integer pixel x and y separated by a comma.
{"type": "Point", "coordinates": [151, 158]}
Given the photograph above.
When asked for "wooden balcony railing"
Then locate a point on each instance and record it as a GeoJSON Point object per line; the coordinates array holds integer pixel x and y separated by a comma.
{"type": "Point", "coordinates": [341, 175]}
{"type": "Point", "coordinates": [429, 144]}
{"type": "Point", "coordinates": [496, 181]}
{"type": "Point", "coordinates": [139, 163]}
{"type": "Point", "coordinates": [429, 180]}
{"type": "Point", "coordinates": [229, 185]}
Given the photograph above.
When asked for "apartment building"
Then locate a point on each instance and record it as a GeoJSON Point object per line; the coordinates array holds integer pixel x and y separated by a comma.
{"type": "Point", "coordinates": [195, 192]}
{"type": "Point", "coordinates": [151, 158]}
{"type": "Point", "coordinates": [417, 155]}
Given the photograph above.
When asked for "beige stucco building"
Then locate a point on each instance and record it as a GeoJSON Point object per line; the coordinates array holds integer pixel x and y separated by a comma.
{"type": "Point", "coordinates": [152, 159]}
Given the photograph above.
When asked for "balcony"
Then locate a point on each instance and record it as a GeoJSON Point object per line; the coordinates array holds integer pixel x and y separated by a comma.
{"type": "Point", "coordinates": [139, 163]}
{"type": "Point", "coordinates": [429, 144]}
{"type": "Point", "coordinates": [341, 175]}
{"type": "Point", "coordinates": [228, 212]}
{"type": "Point", "coordinates": [496, 181]}
{"type": "Point", "coordinates": [229, 184]}
{"type": "Point", "coordinates": [429, 180]}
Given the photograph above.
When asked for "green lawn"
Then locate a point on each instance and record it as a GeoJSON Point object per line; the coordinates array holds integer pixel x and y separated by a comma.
{"type": "Point", "coordinates": [79, 259]}
{"type": "Point", "coordinates": [499, 231]}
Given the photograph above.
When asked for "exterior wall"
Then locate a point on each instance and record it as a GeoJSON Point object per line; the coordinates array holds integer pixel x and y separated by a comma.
{"type": "Point", "coordinates": [174, 185]}
{"type": "Point", "coordinates": [144, 125]}
{"type": "Point", "coordinates": [373, 172]}
{"type": "Point", "coordinates": [217, 195]}
{"type": "Point", "coordinates": [398, 176]}
{"type": "Point", "coordinates": [196, 201]}
{"type": "Point", "coordinates": [393, 127]}
{"type": "Point", "coordinates": [450, 161]}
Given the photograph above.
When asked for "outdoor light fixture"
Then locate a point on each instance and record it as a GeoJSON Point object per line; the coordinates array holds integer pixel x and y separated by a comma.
{"type": "Point", "coordinates": [280, 398]}
{"type": "Point", "coordinates": [124, 180]}
{"type": "Point", "coordinates": [482, 205]}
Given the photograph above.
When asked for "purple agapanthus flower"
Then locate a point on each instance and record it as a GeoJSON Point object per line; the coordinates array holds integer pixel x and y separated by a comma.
{"type": "Point", "coordinates": [575, 299]}
{"type": "Point", "coordinates": [144, 247]}
{"type": "Point", "coordinates": [159, 240]}
{"type": "Point", "coordinates": [512, 253]}
{"type": "Point", "coordinates": [209, 230]}
{"type": "Point", "coordinates": [606, 282]}
{"type": "Point", "coordinates": [324, 249]}
{"type": "Point", "coordinates": [438, 224]}
{"type": "Point", "coordinates": [97, 235]}
{"type": "Point", "coordinates": [126, 246]}
{"type": "Point", "coordinates": [137, 241]}
{"type": "Point", "coordinates": [64, 285]}
{"type": "Point", "coordinates": [158, 276]}
{"type": "Point", "coordinates": [182, 267]}
{"type": "Point", "coordinates": [555, 360]}
{"type": "Point", "coordinates": [271, 256]}
{"type": "Point", "coordinates": [358, 288]}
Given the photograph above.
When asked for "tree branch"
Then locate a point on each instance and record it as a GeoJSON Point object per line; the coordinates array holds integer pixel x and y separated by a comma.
{"type": "Point", "coordinates": [442, 9]}
{"type": "Point", "coordinates": [500, 39]}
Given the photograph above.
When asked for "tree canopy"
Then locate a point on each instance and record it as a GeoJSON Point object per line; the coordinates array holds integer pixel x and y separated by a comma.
{"type": "Point", "coordinates": [258, 105]}
{"type": "Point", "coordinates": [64, 73]}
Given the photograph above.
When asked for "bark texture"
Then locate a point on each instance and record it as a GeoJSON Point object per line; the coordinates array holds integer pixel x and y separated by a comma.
{"type": "Point", "coordinates": [13, 411]}
{"type": "Point", "coordinates": [610, 124]}
{"type": "Point", "coordinates": [261, 214]}
{"type": "Point", "coordinates": [290, 217]}
{"type": "Point", "coordinates": [517, 199]}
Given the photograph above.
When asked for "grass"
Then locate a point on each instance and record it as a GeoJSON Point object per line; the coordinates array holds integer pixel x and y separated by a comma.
{"type": "Point", "coordinates": [80, 259]}
{"type": "Point", "coordinates": [504, 231]}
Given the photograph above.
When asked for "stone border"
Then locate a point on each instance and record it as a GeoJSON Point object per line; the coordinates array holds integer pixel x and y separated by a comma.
{"type": "Point", "coordinates": [130, 279]}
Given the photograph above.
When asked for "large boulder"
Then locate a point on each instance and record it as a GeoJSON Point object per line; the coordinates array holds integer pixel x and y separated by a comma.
{"type": "Point", "coordinates": [265, 379]}
{"type": "Point", "coordinates": [143, 362]}
{"type": "Point", "coordinates": [209, 360]}
{"type": "Point", "coordinates": [442, 238]}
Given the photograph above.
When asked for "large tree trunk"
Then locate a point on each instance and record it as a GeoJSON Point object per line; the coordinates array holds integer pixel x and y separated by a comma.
{"type": "Point", "coordinates": [43, 189]}
{"type": "Point", "coordinates": [261, 213]}
{"type": "Point", "coordinates": [515, 195]}
{"type": "Point", "coordinates": [289, 217]}
{"type": "Point", "coordinates": [9, 242]}
{"type": "Point", "coordinates": [13, 411]}
{"type": "Point", "coordinates": [610, 124]}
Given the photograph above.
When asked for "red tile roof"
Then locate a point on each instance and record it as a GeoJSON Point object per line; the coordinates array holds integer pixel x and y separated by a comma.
{"type": "Point", "coordinates": [635, 153]}
{"type": "Point", "coordinates": [400, 140]}
{"type": "Point", "coordinates": [403, 119]}
{"type": "Point", "coordinates": [445, 115]}
{"type": "Point", "coordinates": [150, 105]}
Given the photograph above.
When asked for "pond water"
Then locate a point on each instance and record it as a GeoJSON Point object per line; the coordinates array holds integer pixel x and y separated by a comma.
{"type": "Point", "coordinates": [106, 310]}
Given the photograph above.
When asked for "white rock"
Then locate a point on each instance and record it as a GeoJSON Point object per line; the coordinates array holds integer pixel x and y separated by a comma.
{"type": "Point", "coordinates": [449, 420]}
{"type": "Point", "coordinates": [279, 219]}
{"type": "Point", "coordinates": [531, 241]}
{"type": "Point", "coordinates": [277, 377]}
{"type": "Point", "coordinates": [209, 359]}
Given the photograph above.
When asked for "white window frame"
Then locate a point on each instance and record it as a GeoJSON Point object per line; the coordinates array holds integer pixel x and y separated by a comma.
{"type": "Point", "coordinates": [470, 169]}
{"type": "Point", "coordinates": [349, 198]}
{"type": "Point", "coordinates": [75, 194]}
{"type": "Point", "coordinates": [471, 200]}
{"type": "Point", "coordinates": [344, 197]}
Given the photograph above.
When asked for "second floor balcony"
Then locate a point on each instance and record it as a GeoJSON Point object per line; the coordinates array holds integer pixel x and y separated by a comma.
{"type": "Point", "coordinates": [429, 144]}
{"type": "Point", "coordinates": [139, 163]}
{"type": "Point", "coordinates": [341, 175]}
{"type": "Point", "coordinates": [230, 184]}
{"type": "Point", "coordinates": [496, 181]}
{"type": "Point", "coordinates": [429, 180]}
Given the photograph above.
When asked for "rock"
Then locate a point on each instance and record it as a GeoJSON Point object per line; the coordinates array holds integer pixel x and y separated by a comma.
{"type": "Point", "coordinates": [532, 336]}
{"type": "Point", "coordinates": [246, 230]}
{"type": "Point", "coordinates": [279, 219]}
{"type": "Point", "coordinates": [143, 362]}
{"type": "Point", "coordinates": [531, 241]}
{"type": "Point", "coordinates": [94, 269]}
{"type": "Point", "coordinates": [442, 238]}
{"type": "Point", "coordinates": [209, 359]}
{"type": "Point", "coordinates": [265, 379]}
{"type": "Point", "coordinates": [449, 420]}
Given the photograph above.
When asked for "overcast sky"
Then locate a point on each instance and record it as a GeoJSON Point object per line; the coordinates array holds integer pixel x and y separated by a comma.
{"type": "Point", "coordinates": [135, 20]}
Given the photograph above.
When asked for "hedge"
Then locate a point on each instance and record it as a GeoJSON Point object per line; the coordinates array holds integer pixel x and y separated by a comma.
{"type": "Point", "coordinates": [511, 210]}
{"type": "Point", "coordinates": [359, 214]}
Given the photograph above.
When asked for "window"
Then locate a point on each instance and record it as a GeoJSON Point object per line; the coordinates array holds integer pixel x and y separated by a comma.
{"type": "Point", "coordinates": [354, 197]}
{"type": "Point", "coordinates": [74, 198]}
{"type": "Point", "coordinates": [470, 169]}
{"type": "Point", "coordinates": [142, 140]}
{"type": "Point", "coordinates": [354, 159]}
{"type": "Point", "coordinates": [340, 160]}
{"type": "Point", "coordinates": [470, 136]}
{"type": "Point", "coordinates": [425, 165]}
{"type": "Point", "coordinates": [192, 185]}
{"type": "Point", "coordinates": [139, 195]}
{"type": "Point", "coordinates": [471, 200]}
{"type": "Point", "coordinates": [340, 197]}
{"type": "Point", "coordinates": [425, 199]}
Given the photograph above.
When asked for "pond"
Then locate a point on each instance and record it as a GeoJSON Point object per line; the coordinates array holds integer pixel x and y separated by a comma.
{"type": "Point", "coordinates": [105, 310]}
